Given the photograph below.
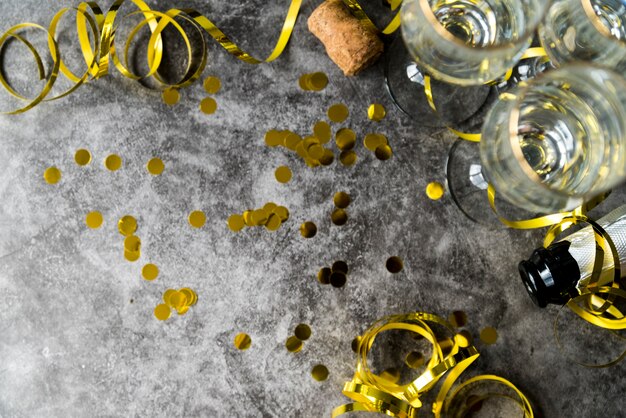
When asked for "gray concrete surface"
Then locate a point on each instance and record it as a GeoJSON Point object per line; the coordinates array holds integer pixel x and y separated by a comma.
{"type": "Point", "coordinates": [77, 334]}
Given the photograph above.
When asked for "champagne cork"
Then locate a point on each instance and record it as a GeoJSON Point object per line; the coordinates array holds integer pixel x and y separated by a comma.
{"type": "Point", "coordinates": [348, 43]}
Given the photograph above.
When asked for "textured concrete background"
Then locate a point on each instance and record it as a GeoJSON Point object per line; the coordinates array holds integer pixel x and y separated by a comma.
{"type": "Point", "coordinates": [77, 333]}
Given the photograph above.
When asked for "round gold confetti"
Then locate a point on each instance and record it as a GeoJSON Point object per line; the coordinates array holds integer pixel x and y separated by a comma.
{"type": "Point", "coordinates": [292, 140]}
{"type": "Point", "coordinates": [283, 174]}
{"type": "Point", "coordinates": [338, 113]}
{"type": "Point", "coordinates": [347, 158]}
{"type": "Point", "coordinates": [190, 295]}
{"type": "Point", "coordinates": [170, 96]}
{"type": "Point", "coordinates": [113, 162]}
{"type": "Point", "coordinates": [212, 84]}
{"type": "Point", "coordinates": [182, 310]}
{"type": "Point", "coordinates": [434, 190]}
{"type": "Point", "coordinates": [463, 339]}
{"type": "Point", "coordinates": [356, 343]}
{"type": "Point", "coordinates": [247, 218]}
{"type": "Point", "coordinates": [259, 217]}
{"type": "Point", "coordinates": [489, 335]}
{"type": "Point", "coordinates": [414, 359]}
{"type": "Point", "coordinates": [376, 112]}
{"type": "Point", "coordinates": [208, 105]}
{"type": "Point", "coordinates": [303, 82]}
{"type": "Point", "coordinates": [391, 374]}
{"type": "Point", "coordinates": [282, 212]}
{"type": "Point", "coordinates": [167, 295]}
{"type": "Point", "coordinates": [321, 130]}
{"type": "Point", "coordinates": [269, 207]}
{"type": "Point", "coordinates": [94, 219]}
{"type": "Point", "coordinates": [132, 256]}
{"type": "Point", "coordinates": [243, 341]}
{"type": "Point", "coordinates": [127, 225]}
{"type": "Point", "coordinates": [318, 81]}
{"type": "Point", "coordinates": [319, 372]}
{"type": "Point", "coordinates": [373, 141]}
{"type": "Point", "coordinates": [327, 158]}
{"type": "Point", "coordinates": [345, 139]}
{"type": "Point", "coordinates": [308, 229]}
{"type": "Point", "coordinates": [383, 152]}
{"type": "Point", "coordinates": [394, 264]}
{"type": "Point", "coordinates": [52, 175]}
{"type": "Point", "coordinates": [323, 276]}
{"type": "Point", "coordinates": [178, 300]}
{"type": "Point", "coordinates": [338, 279]}
{"type": "Point", "coordinates": [150, 272]}
{"type": "Point", "coordinates": [458, 319]}
{"type": "Point", "coordinates": [293, 344]}
{"type": "Point", "coordinates": [341, 200]}
{"type": "Point", "coordinates": [82, 157]}
{"type": "Point", "coordinates": [340, 266]}
{"type": "Point", "coordinates": [302, 332]}
{"type": "Point", "coordinates": [274, 138]}
{"type": "Point", "coordinates": [339, 217]}
{"type": "Point", "coordinates": [132, 244]}
{"type": "Point", "coordinates": [197, 219]}
{"type": "Point", "coordinates": [155, 166]}
{"type": "Point", "coordinates": [162, 312]}
{"type": "Point", "coordinates": [236, 222]}
{"type": "Point", "coordinates": [316, 152]}
{"type": "Point", "coordinates": [273, 222]}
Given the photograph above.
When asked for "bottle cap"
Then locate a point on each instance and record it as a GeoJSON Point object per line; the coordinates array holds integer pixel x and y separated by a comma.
{"type": "Point", "coordinates": [550, 275]}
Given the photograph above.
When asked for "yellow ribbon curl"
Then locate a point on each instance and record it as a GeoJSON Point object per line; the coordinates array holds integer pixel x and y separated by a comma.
{"type": "Point", "coordinates": [373, 393]}
{"type": "Point", "coordinates": [92, 24]}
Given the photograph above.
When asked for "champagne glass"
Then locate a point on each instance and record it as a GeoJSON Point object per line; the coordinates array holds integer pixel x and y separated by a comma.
{"type": "Point", "coordinates": [586, 30]}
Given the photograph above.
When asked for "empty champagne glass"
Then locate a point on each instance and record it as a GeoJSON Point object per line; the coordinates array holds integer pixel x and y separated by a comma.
{"type": "Point", "coordinates": [559, 140]}
{"type": "Point", "coordinates": [586, 30]}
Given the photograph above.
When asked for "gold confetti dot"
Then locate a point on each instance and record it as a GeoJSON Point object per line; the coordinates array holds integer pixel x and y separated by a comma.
{"type": "Point", "coordinates": [316, 152]}
{"type": "Point", "coordinates": [191, 296]}
{"type": "Point", "coordinates": [243, 341]}
{"type": "Point", "coordinates": [463, 339]}
{"type": "Point", "coordinates": [182, 310]}
{"type": "Point", "coordinates": [373, 141]}
{"type": "Point", "coordinates": [208, 105]}
{"type": "Point", "coordinates": [197, 219]}
{"type": "Point", "coordinates": [302, 332]}
{"type": "Point", "coordinates": [489, 335]}
{"type": "Point", "coordinates": [162, 312]}
{"type": "Point", "coordinates": [212, 84]}
{"type": "Point", "coordinates": [150, 272]}
{"type": "Point", "coordinates": [166, 296]}
{"type": "Point", "coordinates": [177, 300]}
{"type": "Point", "coordinates": [348, 158]}
{"type": "Point", "coordinates": [259, 217]}
{"type": "Point", "coordinates": [273, 222]}
{"type": "Point", "coordinates": [274, 138]}
{"type": "Point", "coordinates": [308, 229]}
{"type": "Point", "coordinates": [391, 374]}
{"type": "Point", "coordinates": [338, 279]}
{"type": "Point", "coordinates": [323, 276]}
{"type": "Point", "coordinates": [383, 152]}
{"type": "Point", "coordinates": [321, 130]}
{"type": "Point", "coordinates": [283, 174]}
{"type": "Point", "coordinates": [345, 139]}
{"type": "Point", "coordinates": [293, 344]}
{"type": "Point", "coordinates": [127, 225]}
{"type": "Point", "coordinates": [338, 113]}
{"type": "Point", "coordinates": [52, 175]}
{"type": "Point", "coordinates": [155, 166]}
{"type": "Point", "coordinates": [394, 264]}
{"type": "Point", "coordinates": [356, 343]}
{"type": "Point", "coordinates": [339, 217]}
{"type": "Point", "coordinates": [236, 222]}
{"type": "Point", "coordinates": [94, 219]}
{"type": "Point", "coordinates": [132, 256]}
{"type": "Point", "coordinates": [434, 190]}
{"type": "Point", "coordinates": [292, 140]}
{"type": "Point", "coordinates": [132, 244]}
{"type": "Point", "coordinates": [458, 319]}
{"type": "Point", "coordinates": [113, 162]}
{"type": "Point", "coordinates": [340, 266]}
{"type": "Point", "coordinates": [318, 81]}
{"type": "Point", "coordinates": [82, 157]}
{"type": "Point", "coordinates": [376, 112]}
{"type": "Point", "coordinates": [414, 359]}
{"type": "Point", "coordinates": [170, 96]}
{"type": "Point", "coordinates": [282, 212]}
{"type": "Point", "coordinates": [341, 200]}
{"type": "Point", "coordinates": [319, 372]}
{"type": "Point", "coordinates": [327, 158]}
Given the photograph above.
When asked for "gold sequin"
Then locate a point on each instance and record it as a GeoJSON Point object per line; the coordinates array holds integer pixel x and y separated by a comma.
{"type": "Point", "coordinates": [243, 341]}
{"type": "Point", "coordinates": [166, 296]}
{"type": "Point", "coordinates": [94, 219]}
{"type": "Point", "coordinates": [376, 112]}
{"type": "Point", "coordinates": [212, 84]}
{"type": "Point", "coordinates": [283, 174]}
{"type": "Point", "coordinates": [338, 113]}
{"type": "Point", "coordinates": [197, 219]}
{"type": "Point", "coordinates": [434, 190]}
{"type": "Point", "coordinates": [373, 141]}
{"type": "Point", "coordinates": [383, 152]}
{"type": "Point", "coordinates": [323, 276]}
{"type": "Point", "coordinates": [178, 300]}
{"type": "Point", "coordinates": [113, 162]}
{"type": "Point", "coordinates": [132, 256]}
{"type": "Point", "coordinates": [345, 139]}
{"type": "Point", "coordinates": [170, 96]}
{"type": "Point", "coordinates": [162, 312]}
{"type": "Point", "coordinates": [155, 166]}
{"type": "Point", "coordinates": [132, 244]}
{"type": "Point", "coordinates": [339, 217]}
{"type": "Point", "coordinates": [208, 105]}
{"type": "Point", "coordinates": [348, 158]}
{"type": "Point", "coordinates": [394, 264]}
{"type": "Point", "coordinates": [273, 222]}
{"type": "Point", "coordinates": [259, 217]}
{"type": "Point", "coordinates": [302, 332]}
{"type": "Point", "coordinates": [52, 175]}
{"type": "Point", "coordinates": [269, 207]}
{"type": "Point", "coordinates": [191, 296]}
{"type": "Point", "coordinates": [292, 140]}
{"type": "Point", "coordinates": [341, 200]}
{"type": "Point", "coordinates": [127, 225]}
{"type": "Point", "coordinates": [313, 82]}
{"type": "Point", "coordinates": [150, 272]}
{"type": "Point", "coordinates": [321, 130]}
{"type": "Point", "coordinates": [82, 157]}
{"type": "Point", "coordinates": [293, 344]}
{"type": "Point", "coordinates": [489, 335]}
{"type": "Point", "coordinates": [236, 222]}
{"type": "Point", "coordinates": [274, 138]}
{"type": "Point", "coordinates": [308, 229]}
{"type": "Point", "coordinates": [319, 372]}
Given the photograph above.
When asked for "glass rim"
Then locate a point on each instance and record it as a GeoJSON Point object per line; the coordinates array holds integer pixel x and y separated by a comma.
{"type": "Point", "coordinates": [427, 11]}
{"type": "Point", "coordinates": [597, 24]}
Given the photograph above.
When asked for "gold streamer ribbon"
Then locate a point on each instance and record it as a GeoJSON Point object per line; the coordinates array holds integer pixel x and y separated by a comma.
{"type": "Point", "coordinates": [93, 24]}
{"type": "Point", "coordinates": [373, 393]}
{"type": "Point", "coordinates": [360, 14]}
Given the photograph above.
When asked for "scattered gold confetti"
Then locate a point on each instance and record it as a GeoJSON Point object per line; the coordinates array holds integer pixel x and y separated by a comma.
{"type": "Point", "coordinates": [243, 341]}
{"type": "Point", "coordinates": [339, 217]}
{"type": "Point", "coordinates": [282, 212]}
{"type": "Point", "coordinates": [212, 84]}
{"type": "Point", "coordinates": [376, 112]}
{"type": "Point", "coordinates": [322, 132]}
{"type": "Point", "coordinates": [383, 152]}
{"type": "Point", "coordinates": [338, 113]}
{"type": "Point", "coordinates": [132, 256]}
{"type": "Point", "coordinates": [236, 222]}
{"type": "Point", "coordinates": [274, 138]}
{"type": "Point", "coordinates": [293, 344]}
{"type": "Point", "coordinates": [414, 359]}
{"type": "Point", "coordinates": [302, 332]}
{"type": "Point", "coordinates": [113, 162]}
{"type": "Point", "coordinates": [208, 105]}
{"type": "Point", "coordinates": [341, 200]}
{"type": "Point", "coordinates": [167, 294]}
{"type": "Point", "coordinates": [489, 335]}
{"type": "Point", "coordinates": [373, 141]}
{"type": "Point", "coordinates": [94, 219]}
{"type": "Point", "coordinates": [356, 342]}
{"type": "Point", "coordinates": [82, 157]}
{"type": "Point", "coordinates": [150, 272]}
{"type": "Point", "coordinates": [338, 279]}
{"type": "Point", "coordinates": [323, 276]}
{"type": "Point", "coordinates": [313, 82]}
{"type": "Point", "coordinates": [308, 229]}
{"type": "Point", "coordinates": [197, 219]}
{"type": "Point", "coordinates": [162, 312]}
{"type": "Point", "coordinates": [155, 166]}
{"type": "Point", "coordinates": [463, 339]}
{"type": "Point", "coordinates": [270, 215]}
{"type": "Point", "coordinates": [283, 174]}
{"type": "Point", "coordinates": [52, 175]}
{"type": "Point", "coordinates": [391, 374]}
{"type": "Point", "coordinates": [345, 139]}
{"type": "Point", "coordinates": [273, 222]}
{"type": "Point", "coordinates": [340, 266]}
{"type": "Point", "coordinates": [394, 264]}
{"type": "Point", "coordinates": [434, 190]}
{"type": "Point", "coordinates": [347, 158]}
{"type": "Point", "coordinates": [458, 319]}
{"type": "Point", "coordinates": [170, 96]}
{"type": "Point", "coordinates": [319, 372]}
{"type": "Point", "coordinates": [191, 296]}
{"type": "Point", "coordinates": [127, 225]}
{"type": "Point", "coordinates": [180, 300]}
